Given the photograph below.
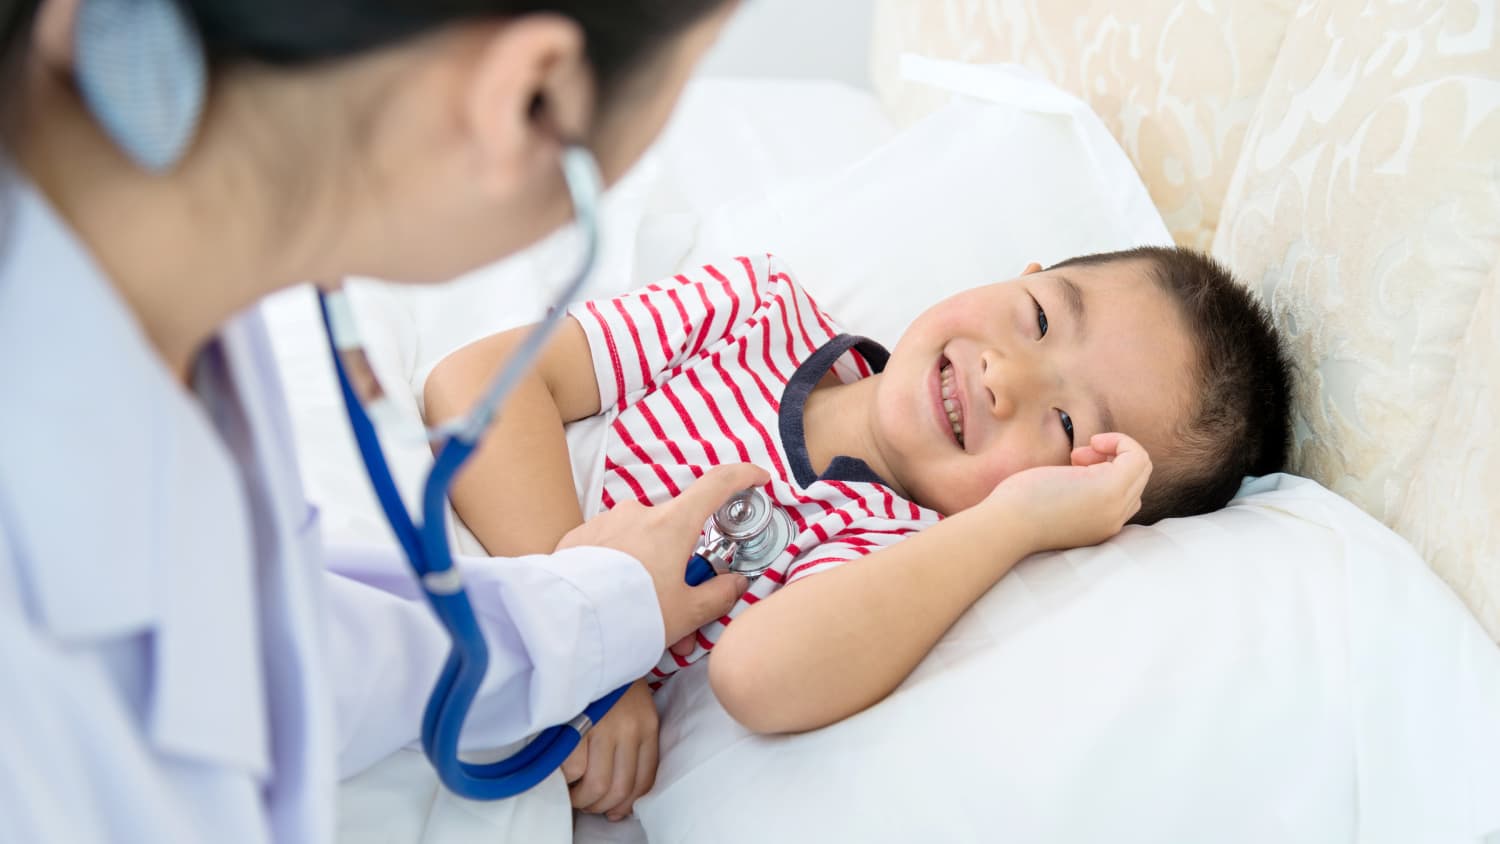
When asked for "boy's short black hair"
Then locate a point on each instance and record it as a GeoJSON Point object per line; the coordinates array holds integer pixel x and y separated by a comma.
{"type": "Point", "coordinates": [1240, 423]}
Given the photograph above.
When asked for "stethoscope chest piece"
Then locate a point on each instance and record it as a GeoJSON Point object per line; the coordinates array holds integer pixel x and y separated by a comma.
{"type": "Point", "coordinates": [747, 534]}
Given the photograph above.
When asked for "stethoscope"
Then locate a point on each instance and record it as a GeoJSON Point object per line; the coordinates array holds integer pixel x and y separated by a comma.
{"type": "Point", "coordinates": [746, 535]}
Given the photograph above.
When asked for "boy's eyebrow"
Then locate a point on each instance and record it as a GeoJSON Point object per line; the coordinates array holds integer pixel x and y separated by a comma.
{"type": "Point", "coordinates": [1073, 295]}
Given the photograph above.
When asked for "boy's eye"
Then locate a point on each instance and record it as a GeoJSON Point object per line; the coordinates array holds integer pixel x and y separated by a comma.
{"type": "Point", "coordinates": [1041, 317]}
{"type": "Point", "coordinates": [1067, 425]}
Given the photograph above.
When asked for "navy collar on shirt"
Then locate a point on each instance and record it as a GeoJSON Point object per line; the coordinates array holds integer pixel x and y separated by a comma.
{"type": "Point", "coordinates": [794, 399]}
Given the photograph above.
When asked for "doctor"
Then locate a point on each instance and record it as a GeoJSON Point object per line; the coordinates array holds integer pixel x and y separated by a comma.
{"type": "Point", "coordinates": [180, 659]}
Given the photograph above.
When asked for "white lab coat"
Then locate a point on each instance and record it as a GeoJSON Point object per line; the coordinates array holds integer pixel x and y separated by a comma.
{"type": "Point", "coordinates": [175, 663]}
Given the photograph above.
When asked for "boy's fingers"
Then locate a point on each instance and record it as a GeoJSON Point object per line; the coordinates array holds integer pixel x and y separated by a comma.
{"type": "Point", "coordinates": [645, 773]}
{"type": "Point", "coordinates": [685, 645]}
{"type": "Point", "coordinates": [1114, 442]}
{"type": "Point", "coordinates": [593, 785]}
{"type": "Point", "coordinates": [1138, 486]}
{"type": "Point", "coordinates": [577, 763]}
{"type": "Point", "coordinates": [1133, 475]}
{"type": "Point", "coordinates": [1087, 456]}
{"type": "Point", "coordinates": [1126, 452]}
{"type": "Point", "coordinates": [645, 778]}
{"type": "Point", "coordinates": [1138, 462]}
{"type": "Point", "coordinates": [1107, 443]}
{"type": "Point", "coordinates": [621, 785]}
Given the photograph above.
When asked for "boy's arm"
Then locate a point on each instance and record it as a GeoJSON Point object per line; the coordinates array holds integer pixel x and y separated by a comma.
{"type": "Point", "coordinates": [516, 491]}
{"type": "Point", "coordinates": [831, 645]}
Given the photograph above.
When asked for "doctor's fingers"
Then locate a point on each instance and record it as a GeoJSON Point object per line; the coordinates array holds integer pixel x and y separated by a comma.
{"type": "Point", "coordinates": [708, 493]}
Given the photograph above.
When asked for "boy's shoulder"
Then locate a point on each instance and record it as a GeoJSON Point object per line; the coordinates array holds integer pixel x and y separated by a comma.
{"type": "Point", "coordinates": [638, 338]}
{"type": "Point", "coordinates": [760, 278]}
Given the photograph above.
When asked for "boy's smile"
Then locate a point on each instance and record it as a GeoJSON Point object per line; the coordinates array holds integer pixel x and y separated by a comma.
{"type": "Point", "coordinates": [1015, 375]}
{"type": "Point", "coordinates": [948, 399]}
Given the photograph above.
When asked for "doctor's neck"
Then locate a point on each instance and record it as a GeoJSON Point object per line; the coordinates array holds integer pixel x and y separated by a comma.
{"type": "Point", "coordinates": [250, 209]}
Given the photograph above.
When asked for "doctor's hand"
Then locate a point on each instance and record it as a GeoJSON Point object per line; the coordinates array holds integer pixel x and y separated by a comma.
{"type": "Point", "coordinates": [1081, 504]}
{"type": "Point", "coordinates": [616, 761]}
{"type": "Point", "coordinates": [663, 537]}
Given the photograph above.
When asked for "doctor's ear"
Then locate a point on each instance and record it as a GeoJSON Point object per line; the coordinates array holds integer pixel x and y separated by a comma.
{"type": "Point", "coordinates": [531, 90]}
{"type": "Point", "coordinates": [1032, 267]}
{"type": "Point", "coordinates": [52, 33]}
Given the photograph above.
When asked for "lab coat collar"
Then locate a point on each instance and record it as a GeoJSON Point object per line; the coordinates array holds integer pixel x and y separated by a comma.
{"type": "Point", "coordinates": [135, 519]}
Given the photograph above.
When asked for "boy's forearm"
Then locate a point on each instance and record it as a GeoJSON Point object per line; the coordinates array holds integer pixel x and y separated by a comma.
{"type": "Point", "coordinates": [830, 646]}
{"type": "Point", "coordinates": [515, 493]}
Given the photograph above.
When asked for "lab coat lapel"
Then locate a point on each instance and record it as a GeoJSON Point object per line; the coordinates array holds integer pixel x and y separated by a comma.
{"type": "Point", "coordinates": [210, 697]}
{"type": "Point", "coordinates": [138, 523]}
{"type": "Point", "coordinates": [290, 577]}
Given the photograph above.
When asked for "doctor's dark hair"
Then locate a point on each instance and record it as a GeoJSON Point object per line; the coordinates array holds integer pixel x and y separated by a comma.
{"type": "Point", "coordinates": [16, 19]}
{"type": "Point", "coordinates": [1240, 423]}
{"type": "Point", "coordinates": [622, 37]}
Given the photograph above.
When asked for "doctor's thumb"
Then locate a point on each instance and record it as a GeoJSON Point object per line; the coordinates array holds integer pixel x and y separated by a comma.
{"type": "Point", "coordinates": [719, 594]}
{"type": "Point", "coordinates": [710, 600]}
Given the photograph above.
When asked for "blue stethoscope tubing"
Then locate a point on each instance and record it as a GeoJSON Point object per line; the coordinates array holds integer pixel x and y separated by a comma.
{"type": "Point", "coordinates": [427, 549]}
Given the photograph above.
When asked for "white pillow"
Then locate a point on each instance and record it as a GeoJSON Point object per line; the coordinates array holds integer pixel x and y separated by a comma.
{"type": "Point", "coordinates": [731, 139]}
{"type": "Point", "coordinates": [1283, 670]}
{"type": "Point", "coordinates": [967, 196]}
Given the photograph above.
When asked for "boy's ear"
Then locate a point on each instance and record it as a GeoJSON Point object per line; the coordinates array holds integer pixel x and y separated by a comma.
{"type": "Point", "coordinates": [1032, 267]}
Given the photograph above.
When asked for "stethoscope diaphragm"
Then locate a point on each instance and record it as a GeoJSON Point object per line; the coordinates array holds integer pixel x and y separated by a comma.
{"type": "Point", "coordinates": [747, 533]}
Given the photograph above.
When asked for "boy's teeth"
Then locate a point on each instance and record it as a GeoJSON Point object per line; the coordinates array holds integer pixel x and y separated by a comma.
{"type": "Point", "coordinates": [950, 404]}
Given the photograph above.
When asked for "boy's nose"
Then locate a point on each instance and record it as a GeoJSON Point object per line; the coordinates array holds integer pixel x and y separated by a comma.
{"type": "Point", "coordinates": [1007, 381]}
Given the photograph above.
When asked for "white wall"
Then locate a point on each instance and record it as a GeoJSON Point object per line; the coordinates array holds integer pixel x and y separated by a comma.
{"type": "Point", "coordinates": [823, 39]}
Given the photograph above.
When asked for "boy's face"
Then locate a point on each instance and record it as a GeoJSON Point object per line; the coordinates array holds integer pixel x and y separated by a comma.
{"type": "Point", "coordinates": [1031, 368]}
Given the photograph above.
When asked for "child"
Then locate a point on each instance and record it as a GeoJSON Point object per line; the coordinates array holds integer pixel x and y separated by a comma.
{"type": "Point", "coordinates": [1087, 367]}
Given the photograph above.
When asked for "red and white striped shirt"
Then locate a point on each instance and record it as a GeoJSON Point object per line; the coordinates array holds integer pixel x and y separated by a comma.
{"type": "Point", "coordinates": [714, 367]}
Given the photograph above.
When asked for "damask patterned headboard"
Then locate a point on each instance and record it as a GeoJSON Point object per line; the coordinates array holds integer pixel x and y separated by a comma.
{"type": "Point", "coordinates": [1341, 157]}
{"type": "Point", "coordinates": [1175, 82]}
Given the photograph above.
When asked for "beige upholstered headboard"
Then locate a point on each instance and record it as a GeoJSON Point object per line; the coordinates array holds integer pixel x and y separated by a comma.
{"type": "Point", "coordinates": [1175, 82]}
{"type": "Point", "coordinates": [1343, 157]}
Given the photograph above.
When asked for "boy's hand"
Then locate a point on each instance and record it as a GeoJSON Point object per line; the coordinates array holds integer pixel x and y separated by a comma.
{"type": "Point", "coordinates": [616, 762]}
{"type": "Point", "coordinates": [662, 538]}
{"type": "Point", "coordinates": [1082, 504]}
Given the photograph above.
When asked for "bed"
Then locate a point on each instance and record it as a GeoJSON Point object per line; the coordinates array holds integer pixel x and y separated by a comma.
{"type": "Point", "coordinates": [1314, 663]}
